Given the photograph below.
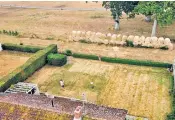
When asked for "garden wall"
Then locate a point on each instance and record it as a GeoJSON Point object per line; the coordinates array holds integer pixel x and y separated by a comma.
{"type": "Point", "coordinates": [24, 71]}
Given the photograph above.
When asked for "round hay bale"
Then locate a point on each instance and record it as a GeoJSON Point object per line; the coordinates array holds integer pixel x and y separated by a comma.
{"type": "Point", "coordinates": [98, 34]}
{"type": "Point", "coordinates": [119, 37]}
{"type": "Point", "coordinates": [108, 36]}
{"type": "Point", "coordinates": [161, 40]}
{"type": "Point", "coordinates": [124, 38]}
{"type": "Point", "coordinates": [113, 37]}
{"type": "Point", "coordinates": [142, 40]}
{"type": "Point", "coordinates": [103, 36]}
{"type": "Point", "coordinates": [167, 41]}
{"type": "Point", "coordinates": [148, 40]}
{"type": "Point", "coordinates": [154, 40]}
{"type": "Point", "coordinates": [106, 42]}
{"type": "Point", "coordinates": [112, 42]}
{"type": "Point", "coordinates": [88, 34]}
{"type": "Point", "coordinates": [136, 39]}
{"type": "Point", "coordinates": [130, 38]}
{"type": "Point", "coordinates": [170, 46]}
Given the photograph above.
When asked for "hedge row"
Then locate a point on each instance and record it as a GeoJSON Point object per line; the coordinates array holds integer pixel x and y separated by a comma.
{"type": "Point", "coordinates": [22, 48]}
{"type": "Point", "coordinates": [121, 60]}
{"type": "Point", "coordinates": [57, 59]}
{"type": "Point", "coordinates": [85, 56]}
{"type": "Point", "coordinates": [24, 71]}
{"type": "Point", "coordinates": [136, 62]}
{"type": "Point", "coordinates": [171, 116]}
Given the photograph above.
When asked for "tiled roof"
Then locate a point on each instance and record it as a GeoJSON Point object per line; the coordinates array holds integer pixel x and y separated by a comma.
{"type": "Point", "coordinates": [64, 105]}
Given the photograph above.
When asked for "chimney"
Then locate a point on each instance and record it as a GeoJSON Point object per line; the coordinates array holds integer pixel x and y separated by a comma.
{"type": "Point", "coordinates": [78, 113]}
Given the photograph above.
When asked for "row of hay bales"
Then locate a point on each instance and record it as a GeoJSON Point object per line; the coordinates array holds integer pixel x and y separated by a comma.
{"type": "Point", "coordinates": [113, 39]}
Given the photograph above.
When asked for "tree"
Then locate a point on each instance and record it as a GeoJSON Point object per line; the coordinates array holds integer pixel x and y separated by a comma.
{"type": "Point", "coordinates": [163, 12]}
{"type": "Point", "coordinates": [117, 7]}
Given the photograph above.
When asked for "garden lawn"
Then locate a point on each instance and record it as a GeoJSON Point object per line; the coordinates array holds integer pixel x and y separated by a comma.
{"type": "Point", "coordinates": [143, 91]}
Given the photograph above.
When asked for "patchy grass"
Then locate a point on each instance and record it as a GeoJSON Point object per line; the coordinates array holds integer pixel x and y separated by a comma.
{"type": "Point", "coordinates": [143, 91]}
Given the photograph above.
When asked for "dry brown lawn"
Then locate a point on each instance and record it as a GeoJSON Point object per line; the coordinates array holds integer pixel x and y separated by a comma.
{"type": "Point", "coordinates": [57, 23]}
{"type": "Point", "coordinates": [143, 91]}
{"type": "Point", "coordinates": [10, 60]}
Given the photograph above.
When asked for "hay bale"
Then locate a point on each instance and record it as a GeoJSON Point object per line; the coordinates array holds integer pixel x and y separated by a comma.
{"type": "Point", "coordinates": [148, 40]}
{"type": "Point", "coordinates": [88, 34]}
{"type": "Point", "coordinates": [112, 42]}
{"type": "Point", "coordinates": [167, 41]}
{"type": "Point", "coordinates": [119, 37]}
{"type": "Point", "coordinates": [106, 42]}
{"type": "Point", "coordinates": [136, 39]}
{"type": "Point", "coordinates": [109, 36]}
{"type": "Point", "coordinates": [103, 36]}
{"type": "Point", "coordinates": [92, 37]}
{"type": "Point", "coordinates": [124, 38]}
{"type": "Point", "coordinates": [130, 37]}
{"type": "Point", "coordinates": [170, 46]}
{"type": "Point", "coordinates": [142, 40]}
{"type": "Point", "coordinates": [161, 40]}
{"type": "Point", "coordinates": [113, 37]}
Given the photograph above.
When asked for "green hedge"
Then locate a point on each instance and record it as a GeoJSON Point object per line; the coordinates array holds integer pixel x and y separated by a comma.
{"type": "Point", "coordinates": [85, 56]}
{"type": "Point", "coordinates": [22, 48]}
{"type": "Point", "coordinates": [171, 116]}
{"type": "Point", "coordinates": [136, 62]}
{"type": "Point", "coordinates": [24, 71]}
{"type": "Point", "coordinates": [57, 59]}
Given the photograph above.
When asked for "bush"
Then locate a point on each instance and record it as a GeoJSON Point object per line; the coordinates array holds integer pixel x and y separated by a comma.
{"type": "Point", "coordinates": [22, 48]}
{"type": "Point", "coordinates": [164, 48]}
{"type": "Point", "coordinates": [68, 52]}
{"type": "Point", "coordinates": [56, 59]}
{"type": "Point", "coordinates": [129, 43]}
{"type": "Point", "coordinates": [136, 62]}
{"type": "Point", "coordinates": [85, 56]}
{"type": "Point", "coordinates": [24, 71]}
{"type": "Point", "coordinates": [171, 116]}
{"type": "Point", "coordinates": [84, 41]}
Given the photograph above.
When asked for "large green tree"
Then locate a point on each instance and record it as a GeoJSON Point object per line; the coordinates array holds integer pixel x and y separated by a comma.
{"type": "Point", "coordinates": [163, 12]}
{"type": "Point", "coordinates": [117, 7]}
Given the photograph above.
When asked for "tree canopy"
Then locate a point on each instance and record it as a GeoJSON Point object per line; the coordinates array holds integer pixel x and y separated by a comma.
{"type": "Point", "coordinates": [162, 11]}
{"type": "Point", "coordinates": [117, 7]}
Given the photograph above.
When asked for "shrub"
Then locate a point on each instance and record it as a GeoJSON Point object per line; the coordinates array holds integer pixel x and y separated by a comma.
{"type": "Point", "coordinates": [68, 52]}
{"type": "Point", "coordinates": [129, 43]}
{"type": "Point", "coordinates": [0, 32]}
{"type": "Point", "coordinates": [171, 116]}
{"type": "Point", "coordinates": [164, 48]}
{"type": "Point", "coordinates": [56, 59]}
{"type": "Point", "coordinates": [136, 62]}
{"type": "Point", "coordinates": [24, 71]}
{"type": "Point", "coordinates": [86, 56]}
{"type": "Point", "coordinates": [84, 41]}
{"type": "Point", "coordinates": [22, 48]}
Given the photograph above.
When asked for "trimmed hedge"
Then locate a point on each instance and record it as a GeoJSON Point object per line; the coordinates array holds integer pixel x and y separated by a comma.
{"type": "Point", "coordinates": [171, 116]}
{"type": "Point", "coordinates": [136, 62]}
{"type": "Point", "coordinates": [85, 56]}
{"type": "Point", "coordinates": [22, 48]}
{"type": "Point", "coordinates": [24, 71]}
{"type": "Point", "coordinates": [57, 59]}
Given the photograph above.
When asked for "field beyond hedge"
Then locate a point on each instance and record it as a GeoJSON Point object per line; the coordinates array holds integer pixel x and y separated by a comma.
{"type": "Point", "coordinates": [143, 91]}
